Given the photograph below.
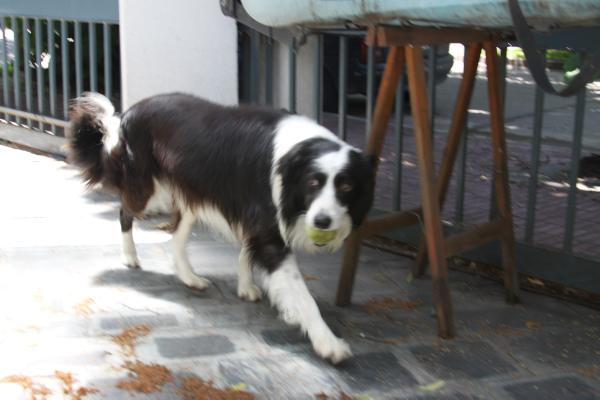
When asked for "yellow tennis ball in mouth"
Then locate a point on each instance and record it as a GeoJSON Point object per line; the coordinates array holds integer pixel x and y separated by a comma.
{"type": "Point", "coordinates": [320, 236]}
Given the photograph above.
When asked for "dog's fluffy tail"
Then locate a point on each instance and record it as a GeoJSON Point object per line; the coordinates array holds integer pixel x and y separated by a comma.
{"type": "Point", "coordinates": [93, 132]}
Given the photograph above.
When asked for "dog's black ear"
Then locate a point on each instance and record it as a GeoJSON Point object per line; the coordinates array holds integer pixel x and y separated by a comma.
{"type": "Point", "coordinates": [291, 167]}
{"type": "Point", "coordinates": [363, 171]}
{"type": "Point", "coordinates": [290, 164]}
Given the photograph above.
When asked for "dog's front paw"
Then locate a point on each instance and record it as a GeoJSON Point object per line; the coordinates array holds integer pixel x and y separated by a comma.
{"type": "Point", "coordinates": [130, 261]}
{"type": "Point", "coordinates": [195, 282]}
{"type": "Point", "coordinates": [332, 348]}
{"type": "Point", "coordinates": [249, 292]}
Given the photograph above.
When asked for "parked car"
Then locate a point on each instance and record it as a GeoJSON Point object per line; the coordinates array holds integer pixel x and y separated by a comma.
{"type": "Point", "coordinates": [357, 68]}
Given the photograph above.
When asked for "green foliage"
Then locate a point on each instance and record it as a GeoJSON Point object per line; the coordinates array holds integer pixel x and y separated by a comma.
{"type": "Point", "coordinates": [557, 55]}
{"type": "Point", "coordinates": [515, 53]}
{"type": "Point", "coordinates": [571, 67]}
{"type": "Point", "coordinates": [10, 68]}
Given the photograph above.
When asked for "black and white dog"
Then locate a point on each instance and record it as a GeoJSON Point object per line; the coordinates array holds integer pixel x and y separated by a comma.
{"type": "Point", "coordinates": [260, 177]}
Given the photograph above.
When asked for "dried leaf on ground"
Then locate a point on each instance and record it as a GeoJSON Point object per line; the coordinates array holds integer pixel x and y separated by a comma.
{"type": "Point", "coordinates": [533, 325]}
{"type": "Point", "coordinates": [375, 306]}
{"type": "Point", "coordinates": [508, 331]}
{"type": "Point", "coordinates": [589, 372]}
{"type": "Point", "coordinates": [85, 307]}
{"type": "Point", "coordinates": [127, 339]}
{"type": "Point", "coordinates": [433, 387]}
{"type": "Point", "coordinates": [238, 387]}
{"type": "Point", "coordinates": [145, 378]}
{"type": "Point", "coordinates": [309, 277]}
{"type": "Point", "coordinates": [535, 281]}
{"type": "Point", "coordinates": [37, 391]}
{"type": "Point", "coordinates": [69, 389]}
{"type": "Point", "coordinates": [194, 388]}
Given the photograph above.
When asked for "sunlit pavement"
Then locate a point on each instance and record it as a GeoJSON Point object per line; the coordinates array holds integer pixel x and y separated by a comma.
{"type": "Point", "coordinates": [64, 295]}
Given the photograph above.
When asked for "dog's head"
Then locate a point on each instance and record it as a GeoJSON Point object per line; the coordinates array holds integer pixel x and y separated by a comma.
{"type": "Point", "coordinates": [326, 186]}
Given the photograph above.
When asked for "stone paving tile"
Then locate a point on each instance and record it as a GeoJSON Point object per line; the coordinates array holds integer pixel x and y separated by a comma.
{"type": "Point", "coordinates": [240, 314]}
{"type": "Point", "coordinates": [194, 346]}
{"type": "Point", "coordinates": [154, 321]}
{"type": "Point", "coordinates": [460, 360]}
{"type": "Point", "coordinates": [553, 389]}
{"type": "Point", "coordinates": [454, 396]}
{"type": "Point", "coordinates": [289, 377]}
{"type": "Point", "coordinates": [284, 337]}
{"type": "Point", "coordinates": [380, 370]}
{"type": "Point", "coordinates": [563, 348]}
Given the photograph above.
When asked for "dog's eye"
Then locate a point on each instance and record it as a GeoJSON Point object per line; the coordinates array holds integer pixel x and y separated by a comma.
{"type": "Point", "coordinates": [345, 187]}
{"type": "Point", "coordinates": [313, 183]}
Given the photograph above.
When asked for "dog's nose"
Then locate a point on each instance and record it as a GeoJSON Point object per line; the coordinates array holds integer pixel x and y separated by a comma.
{"type": "Point", "coordinates": [322, 221]}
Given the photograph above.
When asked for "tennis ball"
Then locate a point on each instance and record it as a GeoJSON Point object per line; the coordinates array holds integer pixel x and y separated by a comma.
{"type": "Point", "coordinates": [320, 236]}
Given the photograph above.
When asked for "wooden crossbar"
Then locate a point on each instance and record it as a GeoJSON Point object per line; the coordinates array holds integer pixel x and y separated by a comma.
{"type": "Point", "coordinates": [389, 36]}
{"type": "Point", "coordinates": [475, 237]}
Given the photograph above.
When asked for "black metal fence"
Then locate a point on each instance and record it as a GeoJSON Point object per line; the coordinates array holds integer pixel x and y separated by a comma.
{"type": "Point", "coordinates": [48, 59]}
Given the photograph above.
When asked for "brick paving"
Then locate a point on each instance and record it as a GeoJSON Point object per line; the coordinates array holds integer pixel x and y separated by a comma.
{"type": "Point", "coordinates": [64, 295]}
{"type": "Point", "coordinates": [555, 159]}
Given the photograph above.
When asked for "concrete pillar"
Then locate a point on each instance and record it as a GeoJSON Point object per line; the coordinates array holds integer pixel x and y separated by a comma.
{"type": "Point", "coordinates": [305, 78]}
{"type": "Point", "coordinates": [177, 45]}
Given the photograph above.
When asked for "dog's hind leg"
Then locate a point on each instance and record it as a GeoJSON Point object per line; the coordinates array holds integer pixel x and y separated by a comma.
{"type": "Point", "coordinates": [128, 253]}
{"type": "Point", "coordinates": [246, 288]}
{"type": "Point", "coordinates": [183, 268]}
{"type": "Point", "coordinates": [288, 292]}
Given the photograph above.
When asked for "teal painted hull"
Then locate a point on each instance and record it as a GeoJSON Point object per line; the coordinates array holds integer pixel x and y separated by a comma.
{"type": "Point", "coordinates": [491, 14]}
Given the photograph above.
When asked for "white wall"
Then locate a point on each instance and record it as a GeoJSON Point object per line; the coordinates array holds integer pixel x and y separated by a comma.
{"type": "Point", "coordinates": [177, 45]}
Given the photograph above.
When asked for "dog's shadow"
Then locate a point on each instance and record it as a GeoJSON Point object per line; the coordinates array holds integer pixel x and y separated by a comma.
{"type": "Point", "coordinates": [218, 304]}
{"type": "Point", "coordinates": [167, 286]}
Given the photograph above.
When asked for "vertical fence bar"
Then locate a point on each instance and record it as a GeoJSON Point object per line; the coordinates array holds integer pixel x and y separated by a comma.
{"type": "Point", "coordinates": [5, 89]}
{"type": "Point", "coordinates": [535, 164]}
{"type": "Point", "coordinates": [269, 70]}
{"type": "Point", "coordinates": [107, 60]}
{"type": "Point", "coordinates": [574, 171]}
{"type": "Point", "coordinates": [432, 66]}
{"type": "Point", "coordinates": [318, 82]}
{"type": "Point", "coordinates": [93, 57]}
{"type": "Point", "coordinates": [254, 64]}
{"type": "Point", "coordinates": [399, 135]}
{"type": "Point", "coordinates": [370, 89]}
{"type": "Point", "coordinates": [459, 207]}
{"type": "Point", "coordinates": [78, 60]}
{"type": "Point", "coordinates": [64, 53]}
{"type": "Point", "coordinates": [26, 69]}
{"type": "Point", "coordinates": [52, 71]}
{"type": "Point", "coordinates": [493, 214]}
{"type": "Point", "coordinates": [292, 76]}
{"type": "Point", "coordinates": [16, 66]}
{"type": "Point", "coordinates": [503, 71]}
{"type": "Point", "coordinates": [343, 81]}
{"type": "Point", "coordinates": [38, 69]}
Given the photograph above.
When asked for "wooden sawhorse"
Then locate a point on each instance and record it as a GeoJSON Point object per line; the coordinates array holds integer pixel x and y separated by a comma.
{"type": "Point", "coordinates": [405, 51]}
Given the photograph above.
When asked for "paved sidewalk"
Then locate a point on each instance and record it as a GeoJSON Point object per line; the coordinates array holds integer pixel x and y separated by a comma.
{"type": "Point", "coordinates": [64, 296]}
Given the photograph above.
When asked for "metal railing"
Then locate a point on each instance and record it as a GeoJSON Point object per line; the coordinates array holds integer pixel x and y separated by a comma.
{"type": "Point", "coordinates": [550, 223]}
{"type": "Point", "coordinates": [50, 58]}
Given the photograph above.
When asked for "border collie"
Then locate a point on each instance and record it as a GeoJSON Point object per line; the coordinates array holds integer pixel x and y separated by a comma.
{"type": "Point", "coordinates": [260, 177]}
